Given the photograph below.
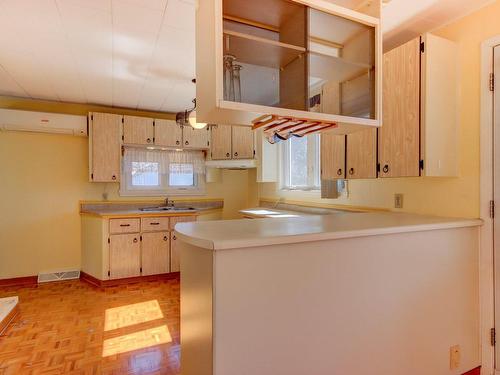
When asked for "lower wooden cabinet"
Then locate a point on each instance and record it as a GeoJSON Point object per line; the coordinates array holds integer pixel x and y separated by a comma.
{"type": "Point", "coordinates": [124, 255]}
{"type": "Point", "coordinates": [175, 264]}
{"type": "Point", "coordinates": [155, 253]}
{"type": "Point", "coordinates": [127, 247]}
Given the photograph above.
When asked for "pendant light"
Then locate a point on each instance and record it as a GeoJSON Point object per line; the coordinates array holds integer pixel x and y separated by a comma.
{"type": "Point", "coordinates": [188, 117]}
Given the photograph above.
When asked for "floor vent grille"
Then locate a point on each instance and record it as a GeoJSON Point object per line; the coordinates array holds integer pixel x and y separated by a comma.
{"type": "Point", "coordinates": [58, 276]}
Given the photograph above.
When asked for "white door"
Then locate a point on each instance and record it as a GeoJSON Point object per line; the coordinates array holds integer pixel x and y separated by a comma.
{"type": "Point", "coordinates": [496, 194]}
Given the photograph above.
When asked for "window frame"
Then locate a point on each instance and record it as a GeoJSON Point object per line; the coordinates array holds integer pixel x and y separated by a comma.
{"type": "Point", "coordinates": [313, 165]}
{"type": "Point", "coordinates": [164, 189]}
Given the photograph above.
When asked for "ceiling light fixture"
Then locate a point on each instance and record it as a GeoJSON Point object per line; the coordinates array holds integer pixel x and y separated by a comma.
{"type": "Point", "coordinates": [188, 117]}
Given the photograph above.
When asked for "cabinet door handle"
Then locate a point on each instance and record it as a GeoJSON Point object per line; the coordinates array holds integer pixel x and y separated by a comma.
{"type": "Point", "coordinates": [135, 240]}
{"type": "Point", "coordinates": [339, 172]}
{"type": "Point", "coordinates": [174, 238]}
{"type": "Point", "coordinates": [228, 154]}
{"type": "Point", "coordinates": [351, 171]}
{"type": "Point", "coordinates": [235, 154]}
{"type": "Point", "coordinates": [386, 168]}
{"type": "Point", "coordinates": [186, 143]}
{"type": "Point", "coordinates": [154, 223]}
{"type": "Point", "coordinates": [165, 238]}
{"type": "Point", "coordinates": [148, 140]}
{"type": "Point", "coordinates": [124, 225]}
{"type": "Point", "coordinates": [113, 177]}
{"type": "Point", "coordinates": [177, 142]}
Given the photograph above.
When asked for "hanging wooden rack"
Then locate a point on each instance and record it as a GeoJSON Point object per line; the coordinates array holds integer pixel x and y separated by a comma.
{"type": "Point", "coordinates": [277, 128]}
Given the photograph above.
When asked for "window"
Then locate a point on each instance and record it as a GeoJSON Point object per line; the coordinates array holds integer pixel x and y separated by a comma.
{"type": "Point", "coordinates": [300, 163]}
{"type": "Point", "coordinates": [162, 172]}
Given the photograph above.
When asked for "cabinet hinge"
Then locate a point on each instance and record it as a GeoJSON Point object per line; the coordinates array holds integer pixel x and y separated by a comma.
{"type": "Point", "coordinates": [123, 120]}
{"type": "Point", "coordinates": [154, 123]}
{"type": "Point", "coordinates": [253, 152]}
{"type": "Point", "coordinates": [492, 82]}
{"type": "Point", "coordinates": [140, 269]}
{"type": "Point", "coordinates": [123, 151]}
{"type": "Point", "coordinates": [421, 164]}
{"type": "Point", "coordinates": [140, 238]}
{"type": "Point", "coordinates": [109, 273]}
{"type": "Point", "coordinates": [109, 241]}
{"type": "Point", "coordinates": [91, 176]}
{"type": "Point", "coordinates": [492, 209]}
{"type": "Point", "coordinates": [378, 167]}
{"type": "Point", "coordinates": [92, 117]}
{"type": "Point", "coordinates": [422, 47]}
{"type": "Point", "coordinates": [123, 137]}
{"type": "Point", "coordinates": [153, 139]}
{"type": "Point", "coordinates": [493, 337]}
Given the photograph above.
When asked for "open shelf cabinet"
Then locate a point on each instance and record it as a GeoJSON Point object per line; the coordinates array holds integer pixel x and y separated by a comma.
{"type": "Point", "coordinates": [301, 59]}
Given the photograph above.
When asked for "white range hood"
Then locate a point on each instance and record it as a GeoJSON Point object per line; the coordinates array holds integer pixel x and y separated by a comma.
{"type": "Point", "coordinates": [232, 164]}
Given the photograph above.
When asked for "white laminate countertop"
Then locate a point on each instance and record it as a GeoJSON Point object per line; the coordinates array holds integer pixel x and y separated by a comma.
{"type": "Point", "coordinates": [233, 234]}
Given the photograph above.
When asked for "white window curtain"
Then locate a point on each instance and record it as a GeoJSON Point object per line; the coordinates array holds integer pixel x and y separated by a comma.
{"type": "Point", "coordinates": [164, 158]}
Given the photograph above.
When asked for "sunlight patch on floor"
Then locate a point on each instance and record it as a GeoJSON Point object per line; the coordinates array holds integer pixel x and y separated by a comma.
{"type": "Point", "coordinates": [137, 340]}
{"type": "Point", "coordinates": [128, 315]}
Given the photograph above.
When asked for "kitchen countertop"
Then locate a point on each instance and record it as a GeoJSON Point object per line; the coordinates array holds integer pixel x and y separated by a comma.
{"type": "Point", "coordinates": [264, 212]}
{"type": "Point", "coordinates": [232, 234]}
{"type": "Point", "coordinates": [133, 209]}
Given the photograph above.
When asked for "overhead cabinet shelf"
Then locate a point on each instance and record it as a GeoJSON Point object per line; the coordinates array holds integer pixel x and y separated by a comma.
{"type": "Point", "coordinates": [276, 57]}
{"type": "Point", "coordinates": [255, 50]}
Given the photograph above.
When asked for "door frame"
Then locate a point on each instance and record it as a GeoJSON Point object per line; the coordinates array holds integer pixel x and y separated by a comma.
{"type": "Point", "coordinates": [486, 258]}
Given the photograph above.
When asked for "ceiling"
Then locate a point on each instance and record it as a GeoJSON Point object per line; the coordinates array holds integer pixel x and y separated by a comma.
{"type": "Point", "coordinates": [403, 20]}
{"type": "Point", "coordinates": [124, 53]}
{"type": "Point", "coordinates": [139, 53]}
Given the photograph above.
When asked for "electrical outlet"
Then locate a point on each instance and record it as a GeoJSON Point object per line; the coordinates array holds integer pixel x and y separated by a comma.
{"type": "Point", "coordinates": [398, 200]}
{"type": "Point", "coordinates": [454, 357]}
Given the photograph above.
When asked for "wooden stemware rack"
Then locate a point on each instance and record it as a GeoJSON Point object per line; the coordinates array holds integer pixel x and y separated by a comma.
{"type": "Point", "coordinates": [280, 128]}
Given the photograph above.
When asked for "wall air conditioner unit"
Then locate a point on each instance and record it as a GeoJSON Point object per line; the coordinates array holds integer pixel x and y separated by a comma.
{"type": "Point", "coordinates": [232, 164]}
{"type": "Point", "coordinates": [41, 122]}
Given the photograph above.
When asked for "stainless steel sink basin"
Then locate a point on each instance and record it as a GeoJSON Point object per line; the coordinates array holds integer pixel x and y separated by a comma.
{"type": "Point", "coordinates": [167, 208]}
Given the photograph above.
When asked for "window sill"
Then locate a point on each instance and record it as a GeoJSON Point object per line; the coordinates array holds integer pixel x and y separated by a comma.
{"type": "Point", "coordinates": [162, 193]}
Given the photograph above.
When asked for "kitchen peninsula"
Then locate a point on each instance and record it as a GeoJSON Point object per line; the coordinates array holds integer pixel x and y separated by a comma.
{"type": "Point", "coordinates": [357, 293]}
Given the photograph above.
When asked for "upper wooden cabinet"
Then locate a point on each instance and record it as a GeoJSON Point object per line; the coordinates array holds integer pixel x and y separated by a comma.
{"type": "Point", "coordinates": [399, 152]}
{"type": "Point", "coordinates": [195, 138]}
{"type": "Point", "coordinates": [285, 54]}
{"type": "Point", "coordinates": [104, 147]}
{"type": "Point", "coordinates": [332, 156]}
{"type": "Point", "coordinates": [138, 130]}
{"type": "Point", "coordinates": [221, 142]}
{"type": "Point", "coordinates": [232, 142]}
{"type": "Point", "coordinates": [168, 133]}
{"type": "Point", "coordinates": [419, 132]}
{"type": "Point", "coordinates": [242, 142]}
{"type": "Point", "coordinates": [362, 154]}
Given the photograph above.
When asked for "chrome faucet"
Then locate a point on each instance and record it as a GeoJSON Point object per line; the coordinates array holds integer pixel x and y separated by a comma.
{"type": "Point", "coordinates": [168, 203]}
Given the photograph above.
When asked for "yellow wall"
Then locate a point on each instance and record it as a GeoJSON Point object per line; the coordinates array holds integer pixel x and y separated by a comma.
{"type": "Point", "coordinates": [42, 179]}
{"type": "Point", "coordinates": [437, 196]}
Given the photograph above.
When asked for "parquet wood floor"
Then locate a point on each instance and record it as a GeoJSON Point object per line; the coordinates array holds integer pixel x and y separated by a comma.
{"type": "Point", "coordinates": [74, 328]}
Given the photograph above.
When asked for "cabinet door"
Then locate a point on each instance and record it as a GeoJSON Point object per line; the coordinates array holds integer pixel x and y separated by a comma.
{"type": "Point", "coordinates": [138, 130]}
{"type": "Point", "coordinates": [221, 142]}
{"type": "Point", "coordinates": [155, 253]}
{"type": "Point", "coordinates": [332, 156]}
{"type": "Point", "coordinates": [105, 147]}
{"type": "Point", "coordinates": [242, 142]}
{"type": "Point", "coordinates": [175, 259]}
{"type": "Point", "coordinates": [124, 255]}
{"type": "Point", "coordinates": [399, 136]}
{"type": "Point", "coordinates": [195, 138]}
{"type": "Point", "coordinates": [168, 133]}
{"type": "Point", "coordinates": [362, 154]}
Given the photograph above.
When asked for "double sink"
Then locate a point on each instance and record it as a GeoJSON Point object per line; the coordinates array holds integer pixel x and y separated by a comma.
{"type": "Point", "coordinates": [167, 208]}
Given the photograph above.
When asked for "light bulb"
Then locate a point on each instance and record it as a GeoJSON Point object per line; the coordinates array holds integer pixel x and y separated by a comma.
{"type": "Point", "coordinates": [193, 123]}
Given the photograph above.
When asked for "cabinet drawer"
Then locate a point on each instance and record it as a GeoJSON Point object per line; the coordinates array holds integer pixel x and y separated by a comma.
{"type": "Point", "coordinates": [180, 219]}
{"type": "Point", "coordinates": [124, 225]}
{"type": "Point", "coordinates": [154, 224]}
